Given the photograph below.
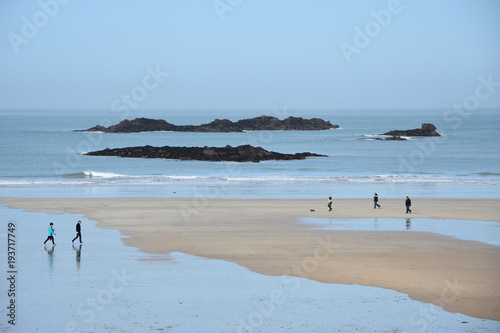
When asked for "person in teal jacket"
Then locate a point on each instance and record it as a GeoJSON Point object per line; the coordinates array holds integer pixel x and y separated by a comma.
{"type": "Point", "coordinates": [50, 234]}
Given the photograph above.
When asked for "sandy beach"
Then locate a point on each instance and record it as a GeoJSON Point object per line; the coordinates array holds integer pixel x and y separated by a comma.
{"type": "Point", "coordinates": [267, 237]}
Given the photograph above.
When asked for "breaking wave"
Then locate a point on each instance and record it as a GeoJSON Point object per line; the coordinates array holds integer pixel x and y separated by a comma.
{"type": "Point", "coordinates": [103, 178]}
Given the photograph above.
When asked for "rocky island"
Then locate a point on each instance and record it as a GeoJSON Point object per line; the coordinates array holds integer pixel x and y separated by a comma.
{"type": "Point", "coordinates": [245, 153]}
{"type": "Point", "coordinates": [425, 130]}
{"type": "Point", "coordinates": [262, 123]}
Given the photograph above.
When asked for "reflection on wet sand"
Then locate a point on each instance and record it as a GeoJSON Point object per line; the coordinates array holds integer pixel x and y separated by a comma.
{"type": "Point", "coordinates": [78, 251]}
{"type": "Point", "coordinates": [408, 224]}
{"type": "Point", "coordinates": [50, 255]}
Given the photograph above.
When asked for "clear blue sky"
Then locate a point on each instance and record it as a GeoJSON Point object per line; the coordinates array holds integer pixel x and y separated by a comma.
{"type": "Point", "coordinates": [264, 54]}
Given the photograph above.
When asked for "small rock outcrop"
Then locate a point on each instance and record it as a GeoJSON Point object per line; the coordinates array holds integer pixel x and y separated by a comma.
{"type": "Point", "coordinates": [426, 130]}
{"type": "Point", "coordinates": [245, 153]}
{"type": "Point", "coordinates": [262, 123]}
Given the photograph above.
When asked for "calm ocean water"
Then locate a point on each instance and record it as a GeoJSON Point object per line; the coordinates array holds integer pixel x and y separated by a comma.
{"type": "Point", "coordinates": [42, 157]}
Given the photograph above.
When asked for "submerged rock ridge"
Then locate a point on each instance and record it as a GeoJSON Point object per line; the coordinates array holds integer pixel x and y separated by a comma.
{"type": "Point", "coordinates": [262, 123]}
{"type": "Point", "coordinates": [426, 130]}
{"type": "Point", "coordinates": [245, 153]}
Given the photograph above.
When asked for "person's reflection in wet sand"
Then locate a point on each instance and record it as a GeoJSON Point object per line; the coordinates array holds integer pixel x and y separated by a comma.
{"type": "Point", "coordinates": [78, 255]}
{"type": "Point", "coordinates": [408, 224]}
{"type": "Point", "coordinates": [50, 255]}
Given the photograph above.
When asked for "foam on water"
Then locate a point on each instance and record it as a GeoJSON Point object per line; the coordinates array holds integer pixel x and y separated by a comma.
{"type": "Point", "coordinates": [95, 174]}
{"type": "Point", "coordinates": [98, 176]}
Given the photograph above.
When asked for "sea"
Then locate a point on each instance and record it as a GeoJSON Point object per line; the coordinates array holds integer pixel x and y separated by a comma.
{"type": "Point", "coordinates": [42, 156]}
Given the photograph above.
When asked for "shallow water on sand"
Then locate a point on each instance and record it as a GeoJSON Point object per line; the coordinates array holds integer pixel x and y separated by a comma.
{"type": "Point", "coordinates": [480, 231]}
{"type": "Point", "coordinates": [105, 286]}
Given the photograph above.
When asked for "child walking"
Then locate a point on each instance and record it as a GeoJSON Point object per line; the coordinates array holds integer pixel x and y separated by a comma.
{"type": "Point", "coordinates": [50, 234]}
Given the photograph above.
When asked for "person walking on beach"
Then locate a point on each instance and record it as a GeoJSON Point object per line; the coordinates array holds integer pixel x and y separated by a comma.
{"type": "Point", "coordinates": [375, 201]}
{"type": "Point", "coordinates": [50, 234]}
{"type": "Point", "coordinates": [330, 201]}
{"type": "Point", "coordinates": [408, 204]}
{"type": "Point", "coordinates": [78, 232]}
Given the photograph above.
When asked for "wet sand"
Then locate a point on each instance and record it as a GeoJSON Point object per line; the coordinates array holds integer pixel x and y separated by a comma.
{"type": "Point", "coordinates": [267, 237]}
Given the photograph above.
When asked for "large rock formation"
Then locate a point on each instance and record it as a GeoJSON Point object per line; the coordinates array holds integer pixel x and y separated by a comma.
{"type": "Point", "coordinates": [244, 153]}
{"type": "Point", "coordinates": [426, 130]}
{"type": "Point", "coordinates": [134, 126]}
{"type": "Point", "coordinates": [262, 123]}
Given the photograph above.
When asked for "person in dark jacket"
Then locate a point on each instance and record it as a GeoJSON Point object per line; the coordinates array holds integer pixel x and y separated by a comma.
{"type": "Point", "coordinates": [375, 201]}
{"type": "Point", "coordinates": [330, 201]}
{"type": "Point", "coordinates": [78, 232]}
{"type": "Point", "coordinates": [408, 204]}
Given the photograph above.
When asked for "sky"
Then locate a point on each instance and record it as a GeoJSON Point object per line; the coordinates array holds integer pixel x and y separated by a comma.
{"type": "Point", "coordinates": [242, 54]}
